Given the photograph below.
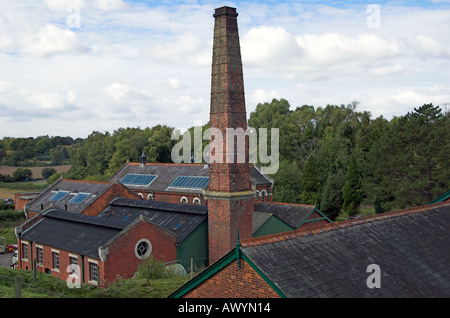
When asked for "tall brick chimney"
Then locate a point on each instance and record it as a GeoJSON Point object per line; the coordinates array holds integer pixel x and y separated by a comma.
{"type": "Point", "coordinates": [230, 196]}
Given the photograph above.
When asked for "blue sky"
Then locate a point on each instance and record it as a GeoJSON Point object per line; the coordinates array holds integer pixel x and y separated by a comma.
{"type": "Point", "coordinates": [70, 67]}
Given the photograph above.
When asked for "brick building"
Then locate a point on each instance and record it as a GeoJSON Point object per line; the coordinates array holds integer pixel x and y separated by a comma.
{"type": "Point", "coordinates": [85, 197]}
{"type": "Point", "coordinates": [180, 182]}
{"type": "Point", "coordinates": [184, 210]}
{"type": "Point", "coordinates": [102, 248]}
{"type": "Point", "coordinates": [392, 255]}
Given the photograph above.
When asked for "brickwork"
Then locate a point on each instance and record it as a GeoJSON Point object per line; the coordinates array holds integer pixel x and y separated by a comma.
{"type": "Point", "coordinates": [122, 260]}
{"type": "Point", "coordinates": [230, 196]}
{"type": "Point", "coordinates": [232, 282]}
{"type": "Point", "coordinates": [114, 191]}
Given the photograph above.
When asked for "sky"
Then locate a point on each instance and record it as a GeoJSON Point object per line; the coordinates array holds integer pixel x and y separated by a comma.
{"type": "Point", "coordinates": [72, 67]}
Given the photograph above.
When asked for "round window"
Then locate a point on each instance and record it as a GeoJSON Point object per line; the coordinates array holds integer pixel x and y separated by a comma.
{"type": "Point", "coordinates": [143, 249]}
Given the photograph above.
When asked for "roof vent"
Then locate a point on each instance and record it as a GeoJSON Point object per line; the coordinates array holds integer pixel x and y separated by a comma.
{"type": "Point", "coordinates": [143, 159]}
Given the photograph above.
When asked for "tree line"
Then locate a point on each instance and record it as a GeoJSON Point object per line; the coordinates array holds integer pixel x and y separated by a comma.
{"type": "Point", "coordinates": [35, 152]}
{"type": "Point", "coordinates": [339, 158]}
{"type": "Point", "coordinates": [336, 156]}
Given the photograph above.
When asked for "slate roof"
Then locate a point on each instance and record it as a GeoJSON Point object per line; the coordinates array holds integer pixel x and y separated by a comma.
{"type": "Point", "coordinates": [180, 219]}
{"type": "Point", "coordinates": [94, 189]}
{"type": "Point", "coordinates": [410, 246]}
{"type": "Point", "coordinates": [168, 172]}
{"type": "Point", "coordinates": [292, 214]}
{"type": "Point", "coordinates": [77, 233]}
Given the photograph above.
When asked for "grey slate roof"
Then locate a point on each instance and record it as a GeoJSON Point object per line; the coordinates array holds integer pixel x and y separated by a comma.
{"type": "Point", "coordinates": [73, 186]}
{"type": "Point", "coordinates": [77, 233]}
{"type": "Point", "coordinates": [180, 219]}
{"type": "Point", "coordinates": [167, 173]}
{"type": "Point", "coordinates": [291, 214]}
{"type": "Point", "coordinates": [410, 246]}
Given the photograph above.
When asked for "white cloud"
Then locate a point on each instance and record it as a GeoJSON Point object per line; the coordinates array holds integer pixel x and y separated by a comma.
{"type": "Point", "coordinates": [51, 40]}
{"type": "Point", "coordinates": [109, 5]}
{"type": "Point", "coordinates": [47, 101]}
{"type": "Point", "coordinates": [5, 87]}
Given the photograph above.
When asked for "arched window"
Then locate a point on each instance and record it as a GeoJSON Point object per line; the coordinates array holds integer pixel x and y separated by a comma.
{"type": "Point", "coordinates": [257, 194]}
{"type": "Point", "coordinates": [263, 195]}
{"type": "Point", "coordinates": [141, 195]}
{"type": "Point", "coordinates": [196, 201]}
{"type": "Point", "coordinates": [150, 196]}
{"type": "Point", "coordinates": [184, 200]}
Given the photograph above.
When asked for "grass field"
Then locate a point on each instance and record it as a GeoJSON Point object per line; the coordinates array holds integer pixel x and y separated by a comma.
{"type": "Point", "coordinates": [36, 171]}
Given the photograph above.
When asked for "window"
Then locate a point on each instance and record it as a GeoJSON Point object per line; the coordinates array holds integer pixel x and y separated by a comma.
{"type": "Point", "coordinates": [263, 195]}
{"type": "Point", "coordinates": [196, 201]}
{"type": "Point", "coordinates": [73, 260]}
{"type": "Point", "coordinates": [79, 198]}
{"type": "Point", "coordinates": [25, 251]}
{"type": "Point", "coordinates": [190, 182]}
{"type": "Point", "coordinates": [58, 195]}
{"type": "Point", "coordinates": [55, 260]}
{"type": "Point", "coordinates": [184, 200]}
{"type": "Point", "coordinates": [150, 196]}
{"type": "Point", "coordinates": [143, 249]}
{"type": "Point", "coordinates": [257, 194]}
{"type": "Point", "coordinates": [39, 255]}
{"type": "Point", "coordinates": [93, 272]}
{"type": "Point", "coordinates": [142, 180]}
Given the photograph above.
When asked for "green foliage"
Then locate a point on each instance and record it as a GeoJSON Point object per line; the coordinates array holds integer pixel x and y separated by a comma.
{"type": "Point", "coordinates": [287, 183]}
{"type": "Point", "coordinates": [352, 189]}
{"type": "Point", "coordinates": [33, 152]}
{"type": "Point", "coordinates": [47, 172]}
{"type": "Point", "coordinates": [311, 187]}
{"type": "Point", "coordinates": [21, 174]}
{"type": "Point", "coordinates": [408, 165]}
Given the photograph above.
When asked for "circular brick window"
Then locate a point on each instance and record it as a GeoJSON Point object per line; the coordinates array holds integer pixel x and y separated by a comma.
{"type": "Point", "coordinates": [143, 249]}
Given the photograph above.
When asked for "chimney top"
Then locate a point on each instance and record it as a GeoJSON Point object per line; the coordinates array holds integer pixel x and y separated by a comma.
{"type": "Point", "coordinates": [225, 11]}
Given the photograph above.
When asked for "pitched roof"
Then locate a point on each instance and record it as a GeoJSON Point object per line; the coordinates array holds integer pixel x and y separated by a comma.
{"type": "Point", "coordinates": [410, 246]}
{"type": "Point", "coordinates": [77, 233]}
{"type": "Point", "coordinates": [441, 198]}
{"type": "Point", "coordinates": [167, 173]}
{"type": "Point", "coordinates": [90, 190]}
{"type": "Point", "coordinates": [292, 214]}
{"type": "Point", "coordinates": [180, 219]}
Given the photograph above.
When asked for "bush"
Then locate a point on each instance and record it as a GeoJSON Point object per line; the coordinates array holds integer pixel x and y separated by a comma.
{"type": "Point", "coordinates": [21, 174]}
{"type": "Point", "coordinates": [48, 172]}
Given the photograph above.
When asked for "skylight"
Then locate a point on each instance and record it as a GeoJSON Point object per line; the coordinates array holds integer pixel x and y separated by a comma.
{"type": "Point", "coordinates": [58, 195]}
{"type": "Point", "coordinates": [79, 198]}
{"type": "Point", "coordinates": [190, 182]}
{"type": "Point", "coordinates": [132, 179]}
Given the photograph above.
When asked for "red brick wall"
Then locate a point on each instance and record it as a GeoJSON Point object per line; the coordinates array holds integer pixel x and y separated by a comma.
{"type": "Point", "coordinates": [115, 191]}
{"type": "Point", "coordinates": [122, 261]}
{"type": "Point", "coordinates": [171, 197]}
{"type": "Point", "coordinates": [225, 217]}
{"type": "Point", "coordinates": [47, 262]}
{"type": "Point", "coordinates": [230, 282]}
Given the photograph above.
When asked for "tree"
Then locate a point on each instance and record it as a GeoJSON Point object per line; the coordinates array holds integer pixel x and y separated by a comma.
{"type": "Point", "coordinates": [331, 201]}
{"type": "Point", "coordinates": [408, 165]}
{"type": "Point", "coordinates": [311, 188]}
{"type": "Point", "coordinates": [352, 190]}
{"type": "Point", "coordinates": [287, 183]}
{"type": "Point", "coordinates": [47, 172]}
{"type": "Point", "coordinates": [21, 174]}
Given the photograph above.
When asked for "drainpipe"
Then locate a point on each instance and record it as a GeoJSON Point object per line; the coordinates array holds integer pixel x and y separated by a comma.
{"type": "Point", "coordinates": [82, 269]}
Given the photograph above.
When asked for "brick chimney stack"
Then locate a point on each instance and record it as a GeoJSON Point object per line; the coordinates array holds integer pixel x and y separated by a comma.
{"type": "Point", "coordinates": [230, 196]}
